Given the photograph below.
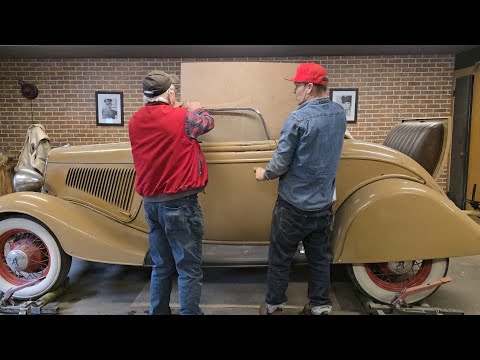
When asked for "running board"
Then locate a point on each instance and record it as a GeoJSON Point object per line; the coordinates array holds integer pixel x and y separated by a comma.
{"type": "Point", "coordinates": [238, 255]}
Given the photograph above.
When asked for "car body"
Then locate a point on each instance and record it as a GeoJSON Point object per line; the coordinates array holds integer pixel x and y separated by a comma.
{"type": "Point", "coordinates": [394, 225]}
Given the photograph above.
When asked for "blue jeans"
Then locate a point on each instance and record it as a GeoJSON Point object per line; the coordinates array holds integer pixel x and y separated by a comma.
{"type": "Point", "coordinates": [291, 225]}
{"type": "Point", "coordinates": [175, 237]}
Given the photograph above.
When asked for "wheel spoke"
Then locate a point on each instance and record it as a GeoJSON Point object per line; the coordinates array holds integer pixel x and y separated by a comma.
{"type": "Point", "coordinates": [383, 281]}
{"type": "Point", "coordinates": [390, 276]}
{"type": "Point", "coordinates": [30, 246]}
{"type": "Point", "coordinates": [30, 254]}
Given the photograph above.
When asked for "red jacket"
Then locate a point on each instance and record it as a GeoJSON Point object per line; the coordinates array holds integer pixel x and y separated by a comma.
{"type": "Point", "coordinates": [166, 160]}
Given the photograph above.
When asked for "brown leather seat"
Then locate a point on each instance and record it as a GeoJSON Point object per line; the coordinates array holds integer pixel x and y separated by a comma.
{"type": "Point", "coordinates": [422, 141]}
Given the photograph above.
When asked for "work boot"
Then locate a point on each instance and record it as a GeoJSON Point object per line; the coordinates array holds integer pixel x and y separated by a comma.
{"type": "Point", "coordinates": [317, 310]}
{"type": "Point", "coordinates": [266, 309]}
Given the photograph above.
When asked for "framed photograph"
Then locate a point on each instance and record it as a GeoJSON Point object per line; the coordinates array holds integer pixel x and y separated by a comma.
{"type": "Point", "coordinates": [348, 98]}
{"type": "Point", "coordinates": [109, 108]}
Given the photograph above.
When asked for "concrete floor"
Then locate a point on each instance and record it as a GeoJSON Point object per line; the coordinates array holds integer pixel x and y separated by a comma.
{"type": "Point", "coordinates": [101, 289]}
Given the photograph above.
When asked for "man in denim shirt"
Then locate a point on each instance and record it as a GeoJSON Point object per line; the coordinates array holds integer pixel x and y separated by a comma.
{"type": "Point", "coordinates": [305, 162]}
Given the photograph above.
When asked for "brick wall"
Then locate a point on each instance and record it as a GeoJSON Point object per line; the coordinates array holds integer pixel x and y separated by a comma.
{"type": "Point", "coordinates": [390, 88]}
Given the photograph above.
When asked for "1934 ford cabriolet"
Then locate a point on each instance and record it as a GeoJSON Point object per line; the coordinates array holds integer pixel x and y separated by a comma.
{"type": "Point", "coordinates": [394, 226]}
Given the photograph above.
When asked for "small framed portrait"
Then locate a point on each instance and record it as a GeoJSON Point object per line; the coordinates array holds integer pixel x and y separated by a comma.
{"type": "Point", "coordinates": [348, 98]}
{"type": "Point", "coordinates": [109, 108]}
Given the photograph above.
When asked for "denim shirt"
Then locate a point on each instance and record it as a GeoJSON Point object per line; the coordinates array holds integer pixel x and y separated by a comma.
{"type": "Point", "coordinates": [308, 153]}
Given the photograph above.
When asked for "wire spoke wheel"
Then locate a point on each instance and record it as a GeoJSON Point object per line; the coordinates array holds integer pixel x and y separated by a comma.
{"type": "Point", "coordinates": [396, 276]}
{"type": "Point", "coordinates": [29, 252]}
{"type": "Point", "coordinates": [25, 257]}
{"type": "Point", "coordinates": [382, 281]}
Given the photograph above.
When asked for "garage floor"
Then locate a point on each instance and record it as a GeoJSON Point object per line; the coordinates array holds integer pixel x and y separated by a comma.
{"type": "Point", "coordinates": [120, 290]}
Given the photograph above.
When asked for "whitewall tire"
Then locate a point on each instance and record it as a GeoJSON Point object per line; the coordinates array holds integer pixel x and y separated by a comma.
{"type": "Point", "coordinates": [382, 281]}
{"type": "Point", "coordinates": [30, 254]}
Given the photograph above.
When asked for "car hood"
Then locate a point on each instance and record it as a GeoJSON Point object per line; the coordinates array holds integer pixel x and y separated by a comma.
{"type": "Point", "coordinates": [113, 153]}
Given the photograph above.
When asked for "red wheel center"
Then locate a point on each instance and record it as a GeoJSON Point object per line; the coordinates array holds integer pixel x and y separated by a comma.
{"type": "Point", "coordinates": [24, 257]}
{"type": "Point", "coordinates": [398, 275]}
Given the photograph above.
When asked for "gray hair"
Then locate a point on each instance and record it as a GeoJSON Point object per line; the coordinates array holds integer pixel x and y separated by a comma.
{"type": "Point", "coordinates": [160, 98]}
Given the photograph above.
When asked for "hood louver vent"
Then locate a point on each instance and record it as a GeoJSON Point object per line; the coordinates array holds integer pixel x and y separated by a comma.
{"type": "Point", "coordinates": [115, 186]}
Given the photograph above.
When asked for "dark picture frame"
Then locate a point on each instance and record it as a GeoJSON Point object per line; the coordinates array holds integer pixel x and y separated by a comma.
{"type": "Point", "coordinates": [109, 105]}
{"type": "Point", "coordinates": [348, 98]}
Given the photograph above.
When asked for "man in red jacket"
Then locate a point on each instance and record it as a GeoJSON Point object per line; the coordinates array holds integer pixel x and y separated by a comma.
{"type": "Point", "coordinates": [170, 172]}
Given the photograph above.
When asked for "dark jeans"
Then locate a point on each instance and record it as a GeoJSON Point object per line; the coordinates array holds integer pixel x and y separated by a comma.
{"type": "Point", "coordinates": [175, 237]}
{"type": "Point", "coordinates": [291, 225]}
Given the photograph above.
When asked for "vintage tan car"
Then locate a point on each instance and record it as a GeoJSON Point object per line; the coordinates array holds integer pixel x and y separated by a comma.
{"type": "Point", "coordinates": [394, 225]}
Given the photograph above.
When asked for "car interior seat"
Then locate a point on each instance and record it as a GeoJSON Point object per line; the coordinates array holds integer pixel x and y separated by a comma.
{"type": "Point", "coordinates": [422, 141]}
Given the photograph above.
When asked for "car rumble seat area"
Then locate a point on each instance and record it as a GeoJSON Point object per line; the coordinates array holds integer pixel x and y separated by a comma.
{"type": "Point", "coordinates": [422, 141]}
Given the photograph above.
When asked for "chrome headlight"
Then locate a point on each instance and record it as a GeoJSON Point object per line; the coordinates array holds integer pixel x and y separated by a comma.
{"type": "Point", "coordinates": [27, 180]}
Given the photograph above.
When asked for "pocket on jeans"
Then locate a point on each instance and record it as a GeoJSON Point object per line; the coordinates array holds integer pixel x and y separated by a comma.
{"type": "Point", "coordinates": [171, 208]}
{"type": "Point", "coordinates": [175, 219]}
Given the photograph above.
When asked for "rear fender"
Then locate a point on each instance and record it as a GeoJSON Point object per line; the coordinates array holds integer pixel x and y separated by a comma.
{"type": "Point", "coordinates": [400, 219]}
{"type": "Point", "coordinates": [82, 232]}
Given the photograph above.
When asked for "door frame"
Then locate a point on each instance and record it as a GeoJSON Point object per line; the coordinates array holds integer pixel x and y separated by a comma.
{"type": "Point", "coordinates": [472, 166]}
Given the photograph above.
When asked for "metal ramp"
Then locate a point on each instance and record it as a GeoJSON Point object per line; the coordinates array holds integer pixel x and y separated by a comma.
{"type": "Point", "coordinates": [43, 305]}
{"type": "Point", "coordinates": [399, 306]}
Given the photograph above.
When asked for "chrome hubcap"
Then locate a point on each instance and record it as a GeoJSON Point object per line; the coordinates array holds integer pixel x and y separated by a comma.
{"type": "Point", "coordinates": [400, 267]}
{"type": "Point", "coordinates": [17, 260]}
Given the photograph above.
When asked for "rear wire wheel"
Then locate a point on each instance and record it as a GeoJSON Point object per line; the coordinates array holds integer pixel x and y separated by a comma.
{"type": "Point", "coordinates": [382, 281]}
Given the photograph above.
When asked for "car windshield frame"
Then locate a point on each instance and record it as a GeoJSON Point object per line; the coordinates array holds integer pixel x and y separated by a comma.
{"type": "Point", "coordinates": [232, 109]}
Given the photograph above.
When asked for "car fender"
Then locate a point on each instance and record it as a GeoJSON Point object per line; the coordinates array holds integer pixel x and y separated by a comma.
{"type": "Point", "coordinates": [82, 232]}
{"type": "Point", "coordinates": [399, 219]}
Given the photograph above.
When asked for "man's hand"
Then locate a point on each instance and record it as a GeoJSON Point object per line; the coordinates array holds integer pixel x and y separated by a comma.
{"type": "Point", "coordinates": [259, 172]}
{"type": "Point", "coordinates": [193, 106]}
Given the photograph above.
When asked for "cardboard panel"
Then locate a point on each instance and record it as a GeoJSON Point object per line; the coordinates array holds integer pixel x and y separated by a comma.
{"type": "Point", "coordinates": [260, 85]}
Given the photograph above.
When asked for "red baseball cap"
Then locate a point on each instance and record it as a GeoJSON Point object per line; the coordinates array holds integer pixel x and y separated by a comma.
{"type": "Point", "coordinates": [310, 73]}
